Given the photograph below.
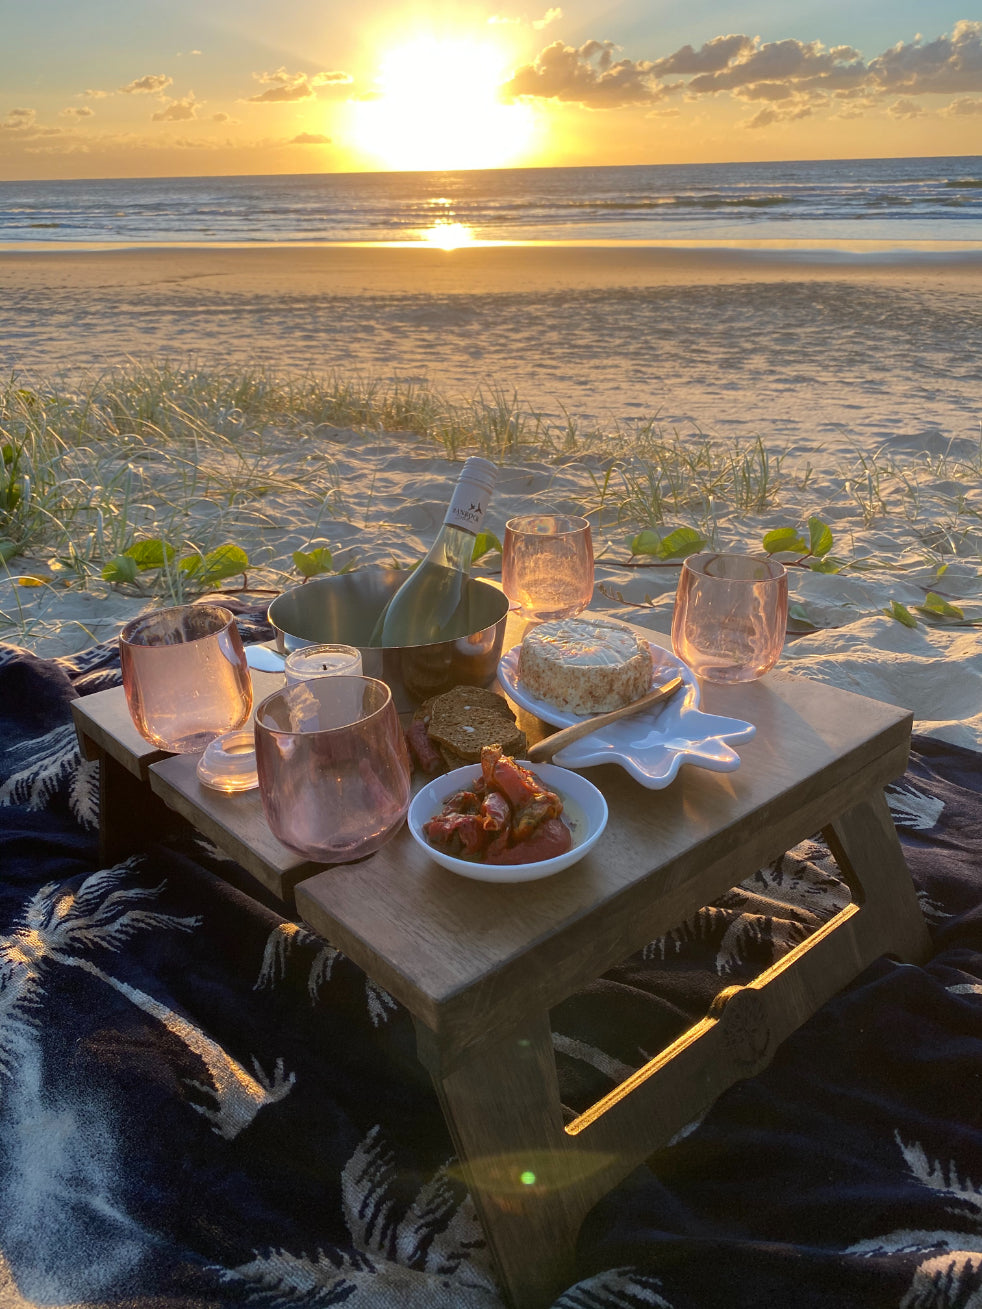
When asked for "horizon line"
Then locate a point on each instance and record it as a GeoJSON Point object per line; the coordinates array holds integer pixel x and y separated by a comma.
{"type": "Point", "coordinates": [511, 168]}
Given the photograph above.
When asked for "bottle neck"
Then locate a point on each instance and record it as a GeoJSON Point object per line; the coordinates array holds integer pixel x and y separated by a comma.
{"type": "Point", "coordinates": [454, 547]}
{"type": "Point", "coordinates": [468, 504]}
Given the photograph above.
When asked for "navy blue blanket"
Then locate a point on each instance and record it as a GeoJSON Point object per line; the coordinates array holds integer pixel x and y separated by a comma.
{"type": "Point", "coordinates": [203, 1104]}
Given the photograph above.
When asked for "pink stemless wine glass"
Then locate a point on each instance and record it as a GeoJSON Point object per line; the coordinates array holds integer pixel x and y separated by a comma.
{"type": "Point", "coordinates": [185, 676]}
{"type": "Point", "coordinates": [547, 566]}
{"type": "Point", "coordinates": [334, 772]}
{"type": "Point", "coordinates": [731, 612]}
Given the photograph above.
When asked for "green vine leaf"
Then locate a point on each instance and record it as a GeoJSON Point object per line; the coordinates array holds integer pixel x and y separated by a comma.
{"type": "Point", "coordinates": [484, 543]}
{"type": "Point", "coordinates": [10, 496]}
{"type": "Point", "coordinates": [676, 545]}
{"type": "Point", "coordinates": [313, 562]}
{"type": "Point", "coordinates": [785, 540]}
{"type": "Point", "coordinates": [901, 613]}
{"type": "Point", "coordinates": [799, 620]}
{"type": "Point", "coordinates": [216, 565]}
{"type": "Point", "coordinates": [645, 543]}
{"type": "Point", "coordinates": [121, 568]}
{"type": "Point", "coordinates": [152, 553]}
{"type": "Point", "coordinates": [819, 537]}
{"type": "Point", "coordinates": [936, 606]}
{"type": "Point", "coordinates": [682, 542]}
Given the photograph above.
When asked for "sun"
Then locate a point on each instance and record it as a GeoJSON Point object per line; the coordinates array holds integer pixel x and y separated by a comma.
{"type": "Point", "coordinates": [438, 107]}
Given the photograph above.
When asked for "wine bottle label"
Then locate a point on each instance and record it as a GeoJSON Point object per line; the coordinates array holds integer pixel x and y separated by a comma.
{"type": "Point", "coordinates": [468, 505]}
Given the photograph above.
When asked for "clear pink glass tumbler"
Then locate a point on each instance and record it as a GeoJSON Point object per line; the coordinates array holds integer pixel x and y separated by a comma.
{"type": "Point", "coordinates": [185, 676]}
{"type": "Point", "coordinates": [334, 772]}
{"type": "Point", "coordinates": [547, 565]}
{"type": "Point", "coordinates": [730, 617]}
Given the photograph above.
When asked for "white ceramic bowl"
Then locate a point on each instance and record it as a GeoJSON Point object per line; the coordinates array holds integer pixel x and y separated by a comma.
{"type": "Point", "coordinates": [584, 810]}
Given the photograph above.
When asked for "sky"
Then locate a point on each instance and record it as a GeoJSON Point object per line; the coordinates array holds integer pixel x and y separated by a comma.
{"type": "Point", "coordinates": [140, 88]}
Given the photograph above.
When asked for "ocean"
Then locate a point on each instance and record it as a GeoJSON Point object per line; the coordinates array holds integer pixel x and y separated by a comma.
{"type": "Point", "coordinates": [904, 203]}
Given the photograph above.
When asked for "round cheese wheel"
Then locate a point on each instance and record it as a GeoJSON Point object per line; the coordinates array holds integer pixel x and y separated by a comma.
{"type": "Point", "coordinates": [584, 666]}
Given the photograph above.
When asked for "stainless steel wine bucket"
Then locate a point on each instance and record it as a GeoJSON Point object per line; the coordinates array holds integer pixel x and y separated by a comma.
{"type": "Point", "coordinates": [344, 609]}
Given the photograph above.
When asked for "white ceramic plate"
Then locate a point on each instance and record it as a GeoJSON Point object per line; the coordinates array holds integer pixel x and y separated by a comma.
{"type": "Point", "coordinates": [651, 745]}
{"type": "Point", "coordinates": [584, 811]}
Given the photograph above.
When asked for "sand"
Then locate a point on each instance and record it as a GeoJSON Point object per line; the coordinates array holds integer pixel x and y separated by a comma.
{"type": "Point", "coordinates": [858, 348]}
{"type": "Point", "coordinates": [844, 357]}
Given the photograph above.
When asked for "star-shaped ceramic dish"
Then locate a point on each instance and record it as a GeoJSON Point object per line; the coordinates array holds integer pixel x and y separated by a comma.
{"type": "Point", "coordinates": [651, 745]}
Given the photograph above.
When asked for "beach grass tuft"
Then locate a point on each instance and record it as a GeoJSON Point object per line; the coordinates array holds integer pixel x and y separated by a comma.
{"type": "Point", "coordinates": [196, 458]}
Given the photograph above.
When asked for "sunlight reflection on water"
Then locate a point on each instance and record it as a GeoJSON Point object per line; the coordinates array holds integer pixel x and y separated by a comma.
{"type": "Point", "coordinates": [449, 236]}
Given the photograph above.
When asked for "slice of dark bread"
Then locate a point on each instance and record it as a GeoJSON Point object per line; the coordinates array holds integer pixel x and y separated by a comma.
{"type": "Point", "coordinates": [465, 719]}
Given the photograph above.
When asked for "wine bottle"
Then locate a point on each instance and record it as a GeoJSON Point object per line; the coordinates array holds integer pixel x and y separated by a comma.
{"type": "Point", "coordinates": [432, 603]}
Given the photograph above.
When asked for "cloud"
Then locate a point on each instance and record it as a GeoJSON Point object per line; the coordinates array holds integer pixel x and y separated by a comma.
{"type": "Point", "coordinates": [734, 63]}
{"type": "Point", "coordinates": [587, 75]}
{"type": "Point", "coordinates": [134, 144]}
{"type": "Point", "coordinates": [310, 138]}
{"type": "Point", "coordinates": [764, 118]}
{"type": "Point", "coordinates": [222, 117]}
{"type": "Point", "coordinates": [800, 64]}
{"type": "Point", "coordinates": [778, 114]}
{"type": "Point", "coordinates": [18, 120]}
{"type": "Point", "coordinates": [793, 77]}
{"type": "Point", "coordinates": [94, 95]}
{"type": "Point", "coordinates": [177, 111]}
{"type": "Point", "coordinates": [275, 94]}
{"type": "Point", "coordinates": [24, 123]}
{"type": "Point", "coordinates": [906, 108]}
{"type": "Point", "coordinates": [962, 107]}
{"type": "Point", "coordinates": [77, 111]}
{"type": "Point", "coordinates": [537, 24]}
{"type": "Point", "coordinates": [550, 16]}
{"type": "Point", "coordinates": [282, 86]}
{"type": "Point", "coordinates": [948, 65]}
{"type": "Point", "coordinates": [712, 57]}
{"type": "Point", "coordinates": [151, 84]}
{"type": "Point", "coordinates": [769, 91]}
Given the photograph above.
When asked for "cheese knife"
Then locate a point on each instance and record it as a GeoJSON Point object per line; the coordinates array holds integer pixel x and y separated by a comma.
{"type": "Point", "coordinates": [543, 751]}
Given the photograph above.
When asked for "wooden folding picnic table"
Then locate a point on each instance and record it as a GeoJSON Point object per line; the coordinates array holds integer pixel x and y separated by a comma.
{"type": "Point", "coordinates": [480, 965]}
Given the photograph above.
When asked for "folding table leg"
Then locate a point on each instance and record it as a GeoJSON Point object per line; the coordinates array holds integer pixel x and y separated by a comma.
{"type": "Point", "coordinates": [866, 847]}
{"type": "Point", "coordinates": [130, 815]}
{"type": "Point", "coordinates": [501, 1103]}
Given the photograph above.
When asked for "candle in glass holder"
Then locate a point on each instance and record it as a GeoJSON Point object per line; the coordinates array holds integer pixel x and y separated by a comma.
{"type": "Point", "coordinates": [321, 661]}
